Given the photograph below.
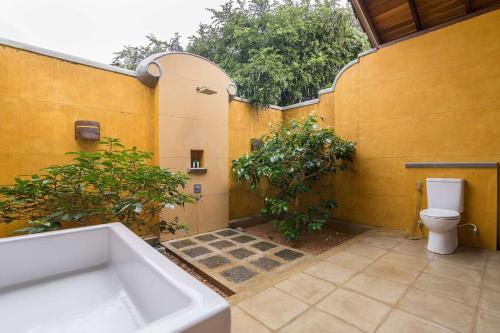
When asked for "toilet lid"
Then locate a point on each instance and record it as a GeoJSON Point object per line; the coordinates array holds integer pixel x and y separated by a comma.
{"type": "Point", "coordinates": [438, 213]}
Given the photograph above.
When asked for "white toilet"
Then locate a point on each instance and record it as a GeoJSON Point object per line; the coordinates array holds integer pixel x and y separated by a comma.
{"type": "Point", "coordinates": [445, 202]}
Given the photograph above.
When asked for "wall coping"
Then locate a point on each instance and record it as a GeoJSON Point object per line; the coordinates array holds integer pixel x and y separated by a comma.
{"type": "Point", "coordinates": [66, 57]}
{"type": "Point", "coordinates": [281, 108]}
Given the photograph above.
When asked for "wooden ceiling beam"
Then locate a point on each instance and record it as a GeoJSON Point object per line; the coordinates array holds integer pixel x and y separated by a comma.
{"type": "Point", "coordinates": [414, 14]}
{"type": "Point", "coordinates": [365, 19]}
{"type": "Point", "coordinates": [468, 8]}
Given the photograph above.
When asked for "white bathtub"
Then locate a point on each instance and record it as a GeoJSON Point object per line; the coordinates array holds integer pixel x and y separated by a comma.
{"type": "Point", "coordinates": [100, 279]}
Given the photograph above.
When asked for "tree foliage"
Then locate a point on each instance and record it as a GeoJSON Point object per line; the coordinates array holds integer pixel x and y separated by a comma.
{"type": "Point", "coordinates": [291, 160]}
{"type": "Point", "coordinates": [280, 52]}
{"type": "Point", "coordinates": [113, 184]}
{"type": "Point", "coordinates": [130, 56]}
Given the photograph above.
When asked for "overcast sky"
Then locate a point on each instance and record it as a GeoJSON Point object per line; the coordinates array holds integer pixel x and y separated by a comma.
{"type": "Point", "coordinates": [94, 29]}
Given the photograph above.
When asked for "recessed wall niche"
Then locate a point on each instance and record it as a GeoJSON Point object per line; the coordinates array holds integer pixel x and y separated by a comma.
{"type": "Point", "coordinates": [197, 162]}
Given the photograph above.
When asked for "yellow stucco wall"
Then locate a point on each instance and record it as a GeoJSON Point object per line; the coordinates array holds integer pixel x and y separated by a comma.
{"type": "Point", "coordinates": [435, 97]}
{"type": "Point", "coordinates": [40, 99]}
{"type": "Point", "coordinates": [325, 109]}
{"type": "Point", "coordinates": [430, 98]}
{"type": "Point", "coordinates": [246, 123]}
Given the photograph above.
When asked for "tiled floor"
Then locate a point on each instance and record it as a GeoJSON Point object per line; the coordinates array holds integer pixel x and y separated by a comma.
{"type": "Point", "coordinates": [378, 282]}
{"type": "Point", "coordinates": [236, 259]}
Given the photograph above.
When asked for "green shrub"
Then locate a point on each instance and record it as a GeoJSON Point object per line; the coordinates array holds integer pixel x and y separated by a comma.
{"type": "Point", "coordinates": [114, 184]}
{"type": "Point", "coordinates": [292, 159]}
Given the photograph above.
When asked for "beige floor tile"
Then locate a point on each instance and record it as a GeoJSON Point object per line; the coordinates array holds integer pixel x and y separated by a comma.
{"type": "Point", "coordinates": [493, 266]}
{"type": "Point", "coordinates": [356, 309]}
{"type": "Point", "coordinates": [242, 323]}
{"type": "Point", "coordinates": [306, 287]}
{"type": "Point", "coordinates": [490, 301]}
{"type": "Point", "coordinates": [380, 289]}
{"type": "Point", "coordinates": [414, 248]}
{"type": "Point", "coordinates": [444, 287]}
{"type": "Point", "coordinates": [379, 242]}
{"type": "Point", "coordinates": [487, 323]}
{"type": "Point", "coordinates": [273, 307]}
{"type": "Point", "coordinates": [494, 256]}
{"type": "Point", "coordinates": [365, 250]}
{"type": "Point", "coordinates": [388, 270]}
{"type": "Point", "coordinates": [418, 243]}
{"type": "Point", "coordinates": [405, 260]}
{"type": "Point", "coordinates": [466, 257]}
{"type": "Point", "coordinates": [492, 280]}
{"type": "Point", "coordinates": [388, 234]}
{"type": "Point", "coordinates": [460, 261]}
{"type": "Point", "coordinates": [331, 272]}
{"type": "Point", "coordinates": [454, 272]}
{"type": "Point", "coordinates": [455, 315]}
{"type": "Point", "coordinates": [400, 321]}
{"type": "Point", "coordinates": [350, 260]}
{"type": "Point", "coordinates": [315, 321]}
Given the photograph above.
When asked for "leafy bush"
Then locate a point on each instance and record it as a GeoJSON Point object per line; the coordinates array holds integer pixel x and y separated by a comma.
{"type": "Point", "coordinates": [114, 184]}
{"type": "Point", "coordinates": [291, 160]}
{"type": "Point", "coordinates": [130, 56]}
{"type": "Point", "coordinates": [280, 52]}
{"type": "Point", "coordinates": [277, 52]}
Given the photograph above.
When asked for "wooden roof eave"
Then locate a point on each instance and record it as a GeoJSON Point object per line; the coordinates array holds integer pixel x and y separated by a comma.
{"type": "Point", "coordinates": [366, 22]}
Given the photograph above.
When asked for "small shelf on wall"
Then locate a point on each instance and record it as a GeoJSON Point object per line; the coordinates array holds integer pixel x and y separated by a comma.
{"type": "Point", "coordinates": [197, 171]}
{"type": "Point", "coordinates": [197, 163]}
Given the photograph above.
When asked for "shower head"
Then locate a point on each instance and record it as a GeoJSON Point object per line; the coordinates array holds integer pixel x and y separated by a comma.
{"type": "Point", "coordinates": [205, 90]}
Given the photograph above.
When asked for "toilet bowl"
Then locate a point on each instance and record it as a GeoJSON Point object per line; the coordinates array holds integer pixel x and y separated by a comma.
{"type": "Point", "coordinates": [445, 201]}
{"type": "Point", "coordinates": [442, 225]}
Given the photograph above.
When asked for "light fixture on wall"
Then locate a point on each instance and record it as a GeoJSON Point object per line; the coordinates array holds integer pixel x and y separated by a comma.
{"type": "Point", "coordinates": [87, 130]}
{"type": "Point", "coordinates": [205, 90]}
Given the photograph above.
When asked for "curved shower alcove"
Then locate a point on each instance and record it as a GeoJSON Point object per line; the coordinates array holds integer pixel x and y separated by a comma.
{"type": "Point", "coordinates": [192, 103]}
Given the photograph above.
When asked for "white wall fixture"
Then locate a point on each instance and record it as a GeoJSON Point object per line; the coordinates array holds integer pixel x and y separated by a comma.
{"type": "Point", "coordinates": [100, 279]}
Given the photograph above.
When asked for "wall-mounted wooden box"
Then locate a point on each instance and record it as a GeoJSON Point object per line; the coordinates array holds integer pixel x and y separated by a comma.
{"type": "Point", "coordinates": [87, 130]}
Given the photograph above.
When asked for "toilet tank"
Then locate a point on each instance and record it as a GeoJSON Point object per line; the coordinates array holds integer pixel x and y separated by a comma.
{"type": "Point", "coordinates": [445, 193]}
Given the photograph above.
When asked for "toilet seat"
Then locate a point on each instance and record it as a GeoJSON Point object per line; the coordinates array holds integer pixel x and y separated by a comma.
{"type": "Point", "coordinates": [441, 214]}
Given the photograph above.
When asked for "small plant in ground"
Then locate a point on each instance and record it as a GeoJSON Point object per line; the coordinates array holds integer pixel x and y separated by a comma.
{"type": "Point", "coordinates": [291, 160]}
{"type": "Point", "coordinates": [109, 185]}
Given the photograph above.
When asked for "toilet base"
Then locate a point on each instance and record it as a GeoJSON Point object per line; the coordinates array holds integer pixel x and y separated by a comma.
{"type": "Point", "coordinates": [443, 242]}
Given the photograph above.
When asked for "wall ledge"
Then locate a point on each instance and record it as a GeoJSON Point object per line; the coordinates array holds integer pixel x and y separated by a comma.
{"type": "Point", "coordinates": [66, 57]}
{"type": "Point", "coordinates": [416, 165]}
